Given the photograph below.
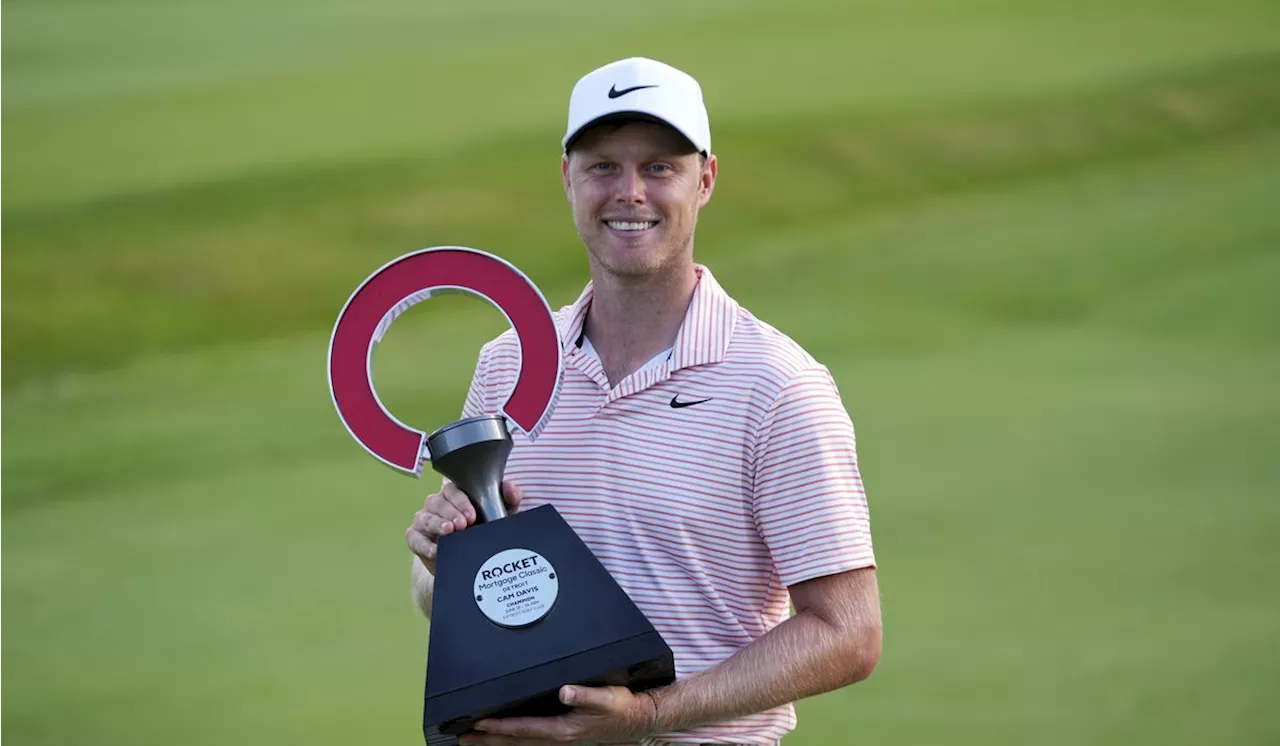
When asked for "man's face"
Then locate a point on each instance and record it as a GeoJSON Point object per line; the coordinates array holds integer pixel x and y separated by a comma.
{"type": "Point", "coordinates": [636, 190]}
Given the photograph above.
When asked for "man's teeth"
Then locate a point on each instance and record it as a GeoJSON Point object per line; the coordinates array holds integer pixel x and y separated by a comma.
{"type": "Point", "coordinates": [623, 225]}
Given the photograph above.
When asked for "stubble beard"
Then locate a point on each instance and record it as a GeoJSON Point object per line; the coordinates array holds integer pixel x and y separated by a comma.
{"type": "Point", "coordinates": [670, 255]}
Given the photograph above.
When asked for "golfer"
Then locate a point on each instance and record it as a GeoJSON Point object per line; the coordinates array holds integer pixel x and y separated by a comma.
{"type": "Point", "coordinates": [703, 456]}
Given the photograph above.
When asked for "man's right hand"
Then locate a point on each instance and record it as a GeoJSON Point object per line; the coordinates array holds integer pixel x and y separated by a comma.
{"type": "Point", "coordinates": [443, 513]}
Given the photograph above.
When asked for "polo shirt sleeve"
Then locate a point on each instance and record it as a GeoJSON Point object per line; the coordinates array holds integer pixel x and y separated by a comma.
{"type": "Point", "coordinates": [808, 500]}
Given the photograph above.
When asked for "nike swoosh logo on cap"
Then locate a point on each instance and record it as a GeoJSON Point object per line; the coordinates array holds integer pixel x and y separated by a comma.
{"type": "Point", "coordinates": [615, 93]}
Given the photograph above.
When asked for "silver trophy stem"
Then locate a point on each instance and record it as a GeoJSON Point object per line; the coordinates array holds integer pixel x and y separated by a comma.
{"type": "Point", "coordinates": [472, 453]}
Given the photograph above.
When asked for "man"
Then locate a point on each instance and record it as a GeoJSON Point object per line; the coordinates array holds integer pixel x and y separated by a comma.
{"type": "Point", "coordinates": [702, 455]}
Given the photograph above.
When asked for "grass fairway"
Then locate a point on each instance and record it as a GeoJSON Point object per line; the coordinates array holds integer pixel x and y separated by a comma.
{"type": "Point", "coordinates": [1036, 244]}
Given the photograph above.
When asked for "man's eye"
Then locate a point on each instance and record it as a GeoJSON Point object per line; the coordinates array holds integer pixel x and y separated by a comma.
{"type": "Point", "coordinates": [659, 168]}
{"type": "Point", "coordinates": [601, 167]}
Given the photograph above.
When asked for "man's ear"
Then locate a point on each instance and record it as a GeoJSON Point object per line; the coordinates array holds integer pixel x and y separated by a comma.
{"type": "Point", "coordinates": [707, 183]}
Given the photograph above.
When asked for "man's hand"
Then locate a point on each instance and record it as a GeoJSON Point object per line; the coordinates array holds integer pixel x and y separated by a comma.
{"type": "Point", "coordinates": [609, 713]}
{"type": "Point", "coordinates": [443, 513]}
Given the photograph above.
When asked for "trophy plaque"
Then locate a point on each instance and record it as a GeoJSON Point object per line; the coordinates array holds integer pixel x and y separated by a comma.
{"type": "Point", "coordinates": [521, 607]}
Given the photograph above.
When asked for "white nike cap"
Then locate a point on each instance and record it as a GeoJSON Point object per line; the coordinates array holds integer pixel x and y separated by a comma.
{"type": "Point", "coordinates": [644, 88]}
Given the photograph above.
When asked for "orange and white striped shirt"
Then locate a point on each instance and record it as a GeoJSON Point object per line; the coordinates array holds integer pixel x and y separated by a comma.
{"type": "Point", "coordinates": [705, 486]}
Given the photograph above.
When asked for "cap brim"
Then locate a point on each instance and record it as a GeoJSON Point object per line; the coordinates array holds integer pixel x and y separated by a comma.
{"type": "Point", "coordinates": [628, 116]}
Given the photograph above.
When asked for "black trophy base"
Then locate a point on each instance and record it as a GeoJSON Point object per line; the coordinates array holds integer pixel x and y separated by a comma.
{"type": "Point", "coordinates": [588, 632]}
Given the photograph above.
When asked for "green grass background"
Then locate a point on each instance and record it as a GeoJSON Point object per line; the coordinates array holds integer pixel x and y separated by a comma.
{"type": "Point", "coordinates": [1036, 242]}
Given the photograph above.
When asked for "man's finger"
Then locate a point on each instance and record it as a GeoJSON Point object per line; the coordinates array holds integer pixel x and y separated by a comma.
{"type": "Point", "coordinates": [430, 525]}
{"type": "Point", "coordinates": [440, 525]}
{"type": "Point", "coordinates": [549, 728]}
{"type": "Point", "coordinates": [421, 545]}
{"type": "Point", "coordinates": [459, 502]}
{"type": "Point", "coordinates": [445, 514]}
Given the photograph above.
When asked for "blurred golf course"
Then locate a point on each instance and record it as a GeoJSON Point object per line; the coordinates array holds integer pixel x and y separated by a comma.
{"type": "Point", "coordinates": [1037, 243]}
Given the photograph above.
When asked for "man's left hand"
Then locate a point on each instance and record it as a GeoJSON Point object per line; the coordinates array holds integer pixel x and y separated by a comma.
{"type": "Point", "coordinates": [608, 713]}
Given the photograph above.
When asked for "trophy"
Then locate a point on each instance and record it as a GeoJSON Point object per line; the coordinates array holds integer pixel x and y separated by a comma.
{"type": "Point", "coordinates": [521, 606]}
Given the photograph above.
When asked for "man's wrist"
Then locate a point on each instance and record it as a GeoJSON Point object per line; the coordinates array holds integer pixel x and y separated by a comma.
{"type": "Point", "coordinates": [664, 715]}
{"type": "Point", "coordinates": [655, 721]}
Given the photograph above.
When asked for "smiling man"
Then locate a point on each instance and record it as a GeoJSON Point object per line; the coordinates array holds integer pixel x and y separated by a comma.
{"type": "Point", "coordinates": [704, 457]}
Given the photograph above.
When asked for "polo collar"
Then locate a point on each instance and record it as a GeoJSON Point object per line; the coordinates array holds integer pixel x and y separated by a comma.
{"type": "Point", "coordinates": [704, 334]}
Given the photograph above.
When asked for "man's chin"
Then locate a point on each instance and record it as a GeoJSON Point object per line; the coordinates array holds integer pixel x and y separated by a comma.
{"type": "Point", "coordinates": [629, 258]}
{"type": "Point", "coordinates": [632, 267]}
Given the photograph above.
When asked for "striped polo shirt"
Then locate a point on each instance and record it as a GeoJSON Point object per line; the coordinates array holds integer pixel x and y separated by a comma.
{"type": "Point", "coordinates": [705, 485]}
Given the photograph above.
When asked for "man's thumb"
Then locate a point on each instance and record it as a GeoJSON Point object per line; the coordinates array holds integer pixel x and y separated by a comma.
{"type": "Point", "coordinates": [511, 495]}
{"type": "Point", "coordinates": [586, 697]}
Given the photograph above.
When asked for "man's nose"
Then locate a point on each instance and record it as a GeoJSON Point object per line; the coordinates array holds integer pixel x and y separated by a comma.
{"type": "Point", "coordinates": [631, 188]}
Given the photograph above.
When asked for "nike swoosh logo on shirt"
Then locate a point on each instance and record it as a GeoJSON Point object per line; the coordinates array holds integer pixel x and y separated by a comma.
{"type": "Point", "coordinates": [677, 404]}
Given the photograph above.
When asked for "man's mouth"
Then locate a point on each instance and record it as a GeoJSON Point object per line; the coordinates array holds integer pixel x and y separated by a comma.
{"type": "Point", "coordinates": [631, 225]}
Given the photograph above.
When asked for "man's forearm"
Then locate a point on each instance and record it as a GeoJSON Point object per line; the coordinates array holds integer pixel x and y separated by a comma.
{"type": "Point", "coordinates": [804, 656]}
{"type": "Point", "coordinates": [423, 587]}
